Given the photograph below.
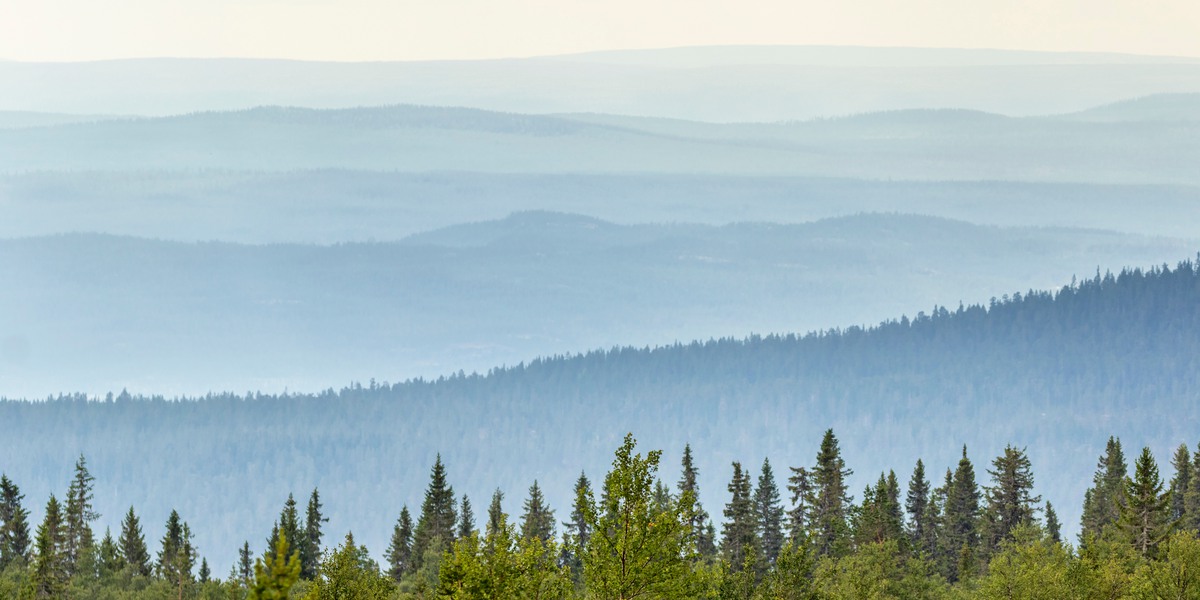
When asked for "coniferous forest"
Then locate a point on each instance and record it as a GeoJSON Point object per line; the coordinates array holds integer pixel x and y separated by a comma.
{"type": "Point", "coordinates": [640, 532]}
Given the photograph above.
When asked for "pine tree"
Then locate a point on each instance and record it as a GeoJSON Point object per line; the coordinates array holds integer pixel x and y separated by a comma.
{"type": "Point", "coordinates": [1181, 483]}
{"type": "Point", "coordinates": [79, 515]}
{"type": "Point", "coordinates": [399, 554]}
{"type": "Point", "coordinates": [829, 501]}
{"type": "Point", "coordinates": [739, 533]}
{"type": "Point", "coordinates": [245, 563]}
{"type": "Point", "coordinates": [769, 511]}
{"type": "Point", "coordinates": [466, 518]}
{"type": "Point", "coordinates": [537, 522]}
{"type": "Point", "coordinates": [49, 574]}
{"type": "Point", "coordinates": [14, 524]}
{"type": "Point", "coordinates": [1102, 505]}
{"type": "Point", "coordinates": [495, 514]}
{"type": "Point", "coordinates": [310, 546]}
{"type": "Point", "coordinates": [1145, 511]}
{"type": "Point", "coordinates": [800, 485]}
{"type": "Point", "coordinates": [109, 555]}
{"type": "Point", "coordinates": [436, 524]}
{"type": "Point", "coordinates": [916, 504]}
{"type": "Point", "coordinates": [1010, 500]}
{"type": "Point", "coordinates": [133, 545]}
{"type": "Point", "coordinates": [1053, 527]}
{"type": "Point", "coordinates": [961, 516]}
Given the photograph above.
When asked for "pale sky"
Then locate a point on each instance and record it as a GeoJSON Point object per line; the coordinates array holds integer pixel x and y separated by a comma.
{"type": "Point", "coordinates": [351, 30]}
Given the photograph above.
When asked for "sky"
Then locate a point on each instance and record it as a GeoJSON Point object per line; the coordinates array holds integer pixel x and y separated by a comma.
{"type": "Point", "coordinates": [361, 30]}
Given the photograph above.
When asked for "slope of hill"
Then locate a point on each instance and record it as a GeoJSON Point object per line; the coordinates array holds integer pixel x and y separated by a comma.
{"type": "Point", "coordinates": [906, 145]}
{"type": "Point", "coordinates": [1112, 355]}
{"type": "Point", "coordinates": [331, 206]}
{"type": "Point", "coordinates": [172, 317]}
{"type": "Point", "coordinates": [708, 84]}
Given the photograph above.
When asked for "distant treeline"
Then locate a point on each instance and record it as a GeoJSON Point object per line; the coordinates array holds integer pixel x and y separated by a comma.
{"type": "Point", "coordinates": [631, 535]}
{"type": "Point", "coordinates": [1053, 372]}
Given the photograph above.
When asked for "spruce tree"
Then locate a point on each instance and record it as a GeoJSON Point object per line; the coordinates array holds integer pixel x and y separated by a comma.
{"type": "Point", "coordinates": [177, 555]}
{"type": "Point", "coordinates": [49, 573]}
{"type": "Point", "coordinates": [739, 532]}
{"type": "Point", "coordinates": [310, 546]}
{"type": "Point", "coordinates": [1102, 505]}
{"type": "Point", "coordinates": [800, 485]}
{"type": "Point", "coordinates": [1145, 512]}
{"type": "Point", "coordinates": [769, 511]}
{"type": "Point", "coordinates": [495, 514]}
{"type": "Point", "coordinates": [204, 573]}
{"type": "Point", "coordinates": [1181, 483]}
{"type": "Point", "coordinates": [701, 531]}
{"type": "Point", "coordinates": [133, 545]}
{"type": "Point", "coordinates": [662, 497]}
{"type": "Point", "coordinates": [878, 519]}
{"type": "Point", "coordinates": [109, 555]}
{"type": "Point", "coordinates": [399, 553]}
{"type": "Point", "coordinates": [14, 524]}
{"type": "Point", "coordinates": [830, 500]}
{"type": "Point", "coordinates": [1053, 527]}
{"type": "Point", "coordinates": [1010, 499]}
{"type": "Point", "coordinates": [1191, 501]}
{"type": "Point", "coordinates": [466, 518]}
{"type": "Point", "coordinates": [537, 522]}
{"type": "Point", "coordinates": [916, 504]}
{"type": "Point", "coordinates": [79, 515]}
{"type": "Point", "coordinates": [245, 564]}
{"type": "Point", "coordinates": [577, 532]}
{"type": "Point", "coordinates": [961, 517]}
{"type": "Point", "coordinates": [435, 528]}
{"type": "Point", "coordinates": [289, 524]}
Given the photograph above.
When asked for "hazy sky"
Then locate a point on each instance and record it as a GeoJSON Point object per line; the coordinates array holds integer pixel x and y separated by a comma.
{"type": "Point", "coordinates": [453, 29]}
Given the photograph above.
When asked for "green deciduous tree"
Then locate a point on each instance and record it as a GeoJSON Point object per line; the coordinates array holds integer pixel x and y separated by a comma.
{"type": "Point", "coordinates": [635, 552]}
{"type": "Point", "coordinates": [348, 573]}
{"type": "Point", "coordinates": [274, 578]}
{"type": "Point", "coordinates": [505, 565]}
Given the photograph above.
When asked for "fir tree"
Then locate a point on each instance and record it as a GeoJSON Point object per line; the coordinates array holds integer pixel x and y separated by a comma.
{"type": "Point", "coordinates": [537, 522]}
{"type": "Point", "coordinates": [466, 518]}
{"type": "Point", "coordinates": [916, 504]}
{"type": "Point", "coordinates": [495, 514]}
{"type": "Point", "coordinates": [245, 564]}
{"type": "Point", "coordinates": [310, 546]}
{"type": "Point", "coordinates": [769, 511]}
{"type": "Point", "coordinates": [961, 516]}
{"type": "Point", "coordinates": [830, 499]}
{"type": "Point", "coordinates": [1145, 512]}
{"type": "Point", "coordinates": [79, 514]}
{"type": "Point", "coordinates": [739, 533]}
{"type": "Point", "coordinates": [399, 554]}
{"type": "Point", "coordinates": [133, 545]}
{"type": "Point", "coordinates": [14, 524]}
{"type": "Point", "coordinates": [436, 524]}
{"type": "Point", "coordinates": [1181, 483]}
{"type": "Point", "coordinates": [1010, 500]}
{"type": "Point", "coordinates": [1102, 505]}
{"type": "Point", "coordinates": [49, 575]}
{"type": "Point", "coordinates": [1053, 527]}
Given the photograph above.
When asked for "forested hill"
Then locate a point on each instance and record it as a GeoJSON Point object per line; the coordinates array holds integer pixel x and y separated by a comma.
{"type": "Point", "coordinates": [1059, 372]}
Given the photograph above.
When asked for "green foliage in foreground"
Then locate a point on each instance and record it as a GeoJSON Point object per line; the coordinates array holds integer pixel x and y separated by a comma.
{"type": "Point", "coordinates": [962, 541]}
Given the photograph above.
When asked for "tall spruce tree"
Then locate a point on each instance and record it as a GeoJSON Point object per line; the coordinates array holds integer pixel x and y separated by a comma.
{"type": "Point", "coordinates": [466, 518]}
{"type": "Point", "coordinates": [14, 524]}
{"type": "Point", "coordinates": [916, 504]}
{"type": "Point", "coordinates": [495, 514]}
{"type": "Point", "coordinates": [245, 566]}
{"type": "Point", "coordinates": [830, 500]}
{"type": "Point", "coordinates": [1102, 503]}
{"type": "Point", "coordinates": [435, 527]}
{"type": "Point", "coordinates": [1191, 501]}
{"type": "Point", "coordinates": [800, 485]}
{"type": "Point", "coordinates": [769, 511]}
{"type": "Point", "coordinates": [1010, 499]}
{"type": "Point", "coordinates": [177, 555]}
{"type": "Point", "coordinates": [79, 515]}
{"type": "Point", "coordinates": [289, 524]}
{"type": "Point", "coordinates": [310, 543]}
{"type": "Point", "coordinates": [537, 522]}
{"type": "Point", "coordinates": [49, 574]}
{"type": "Point", "coordinates": [878, 518]}
{"type": "Point", "coordinates": [399, 554]}
{"type": "Point", "coordinates": [577, 531]}
{"type": "Point", "coordinates": [1181, 482]}
{"type": "Point", "coordinates": [1145, 512]}
{"type": "Point", "coordinates": [739, 532]}
{"type": "Point", "coordinates": [961, 515]}
{"type": "Point", "coordinates": [109, 560]}
{"type": "Point", "coordinates": [701, 531]}
{"type": "Point", "coordinates": [1053, 527]}
{"type": "Point", "coordinates": [133, 546]}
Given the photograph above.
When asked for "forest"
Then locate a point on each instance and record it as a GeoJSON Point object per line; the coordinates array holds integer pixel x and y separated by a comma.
{"type": "Point", "coordinates": [974, 533]}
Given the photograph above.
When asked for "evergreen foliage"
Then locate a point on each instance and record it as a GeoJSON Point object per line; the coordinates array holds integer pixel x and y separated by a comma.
{"type": "Point", "coordinates": [768, 510]}
{"type": "Point", "coordinates": [829, 500]}
{"type": "Point", "coordinates": [1010, 500]}
{"type": "Point", "coordinates": [14, 524]}
{"type": "Point", "coordinates": [739, 534]}
{"type": "Point", "coordinates": [538, 519]}
{"type": "Point", "coordinates": [399, 554]}
{"type": "Point", "coordinates": [701, 525]}
{"type": "Point", "coordinates": [495, 513]}
{"type": "Point", "coordinates": [466, 517]}
{"type": "Point", "coordinates": [916, 504]}
{"type": "Point", "coordinates": [274, 578]}
{"type": "Point", "coordinates": [1053, 527]}
{"type": "Point", "coordinates": [50, 574]}
{"type": "Point", "coordinates": [310, 547]}
{"type": "Point", "coordinates": [1145, 511]}
{"type": "Point", "coordinates": [79, 514]}
{"type": "Point", "coordinates": [133, 545]}
{"type": "Point", "coordinates": [435, 527]}
{"type": "Point", "coordinates": [961, 516]}
{"type": "Point", "coordinates": [1102, 503]}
